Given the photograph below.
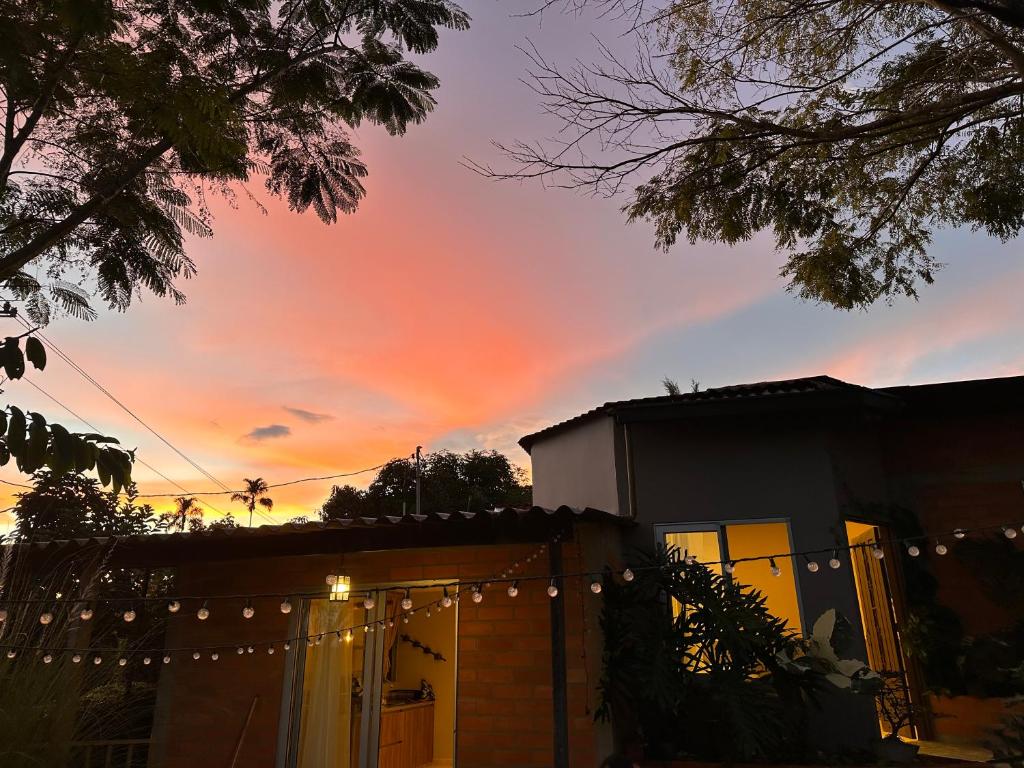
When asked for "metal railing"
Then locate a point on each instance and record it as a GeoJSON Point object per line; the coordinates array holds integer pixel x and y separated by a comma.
{"type": "Point", "coordinates": [110, 753]}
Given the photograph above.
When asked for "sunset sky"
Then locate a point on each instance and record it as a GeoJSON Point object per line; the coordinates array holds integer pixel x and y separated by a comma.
{"type": "Point", "coordinates": [457, 312]}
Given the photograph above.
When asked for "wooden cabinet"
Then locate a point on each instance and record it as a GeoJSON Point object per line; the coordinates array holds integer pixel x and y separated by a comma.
{"type": "Point", "coordinates": [407, 735]}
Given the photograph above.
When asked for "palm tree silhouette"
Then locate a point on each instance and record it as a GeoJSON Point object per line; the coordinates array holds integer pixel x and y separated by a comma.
{"type": "Point", "coordinates": [186, 508]}
{"type": "Point", "coordinates": [255, 493]}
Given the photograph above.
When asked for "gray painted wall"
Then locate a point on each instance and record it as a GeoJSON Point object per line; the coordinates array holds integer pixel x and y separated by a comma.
{"type": "Point", "coordinates": [577, 467]}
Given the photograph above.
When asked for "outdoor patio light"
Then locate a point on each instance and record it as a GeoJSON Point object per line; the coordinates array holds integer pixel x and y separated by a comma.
{"type": "Point", "coordinates": [97, 660]}
{"type": "Point", "coordinates": [86, 614]}
{"type": "Point", "coordinates": [11, 654]}
{"type": "Point", "coordinates": [1009, 532]}
{"type": "Point", "coordinates": [167, 659]}
{"type": "Point", "coordinates": [627, 575]}
{"type": "Point", "coordinates": [913, 550]}
{"type": "Point", "coordinates": [248, 611]}
{"type": "Point", "coordinates": [146, 660]}
{"type": "Point", "coordinates": [513, 589]}
{"type": "Point", "coordinates": [122, 662]}
{"type": "Point", "coordinates": [877, 552]}
{"type": "Point", "coordinates": [214, 656]}
{"type": "Point", "coordinates": [76, 659]}
{"type": "Point", "coordinates": [47, 659]}
{"type": "Point", "coordinates": [478, 594]}
{"type": "Point", "coordinates": [45, 618]}
{"type": "Point", "coordinates": [776, 571]}
{"type": "Point", "coordinates": [941, 549]}
{"type": "Point", "coordinates": [196, 655]}
{"type": "Point", "coordinates": [340, 587]}
{"type": "Point", "coordinates": [834, 562]}
{"type": "Point", "coordinates": [270, 650]}
{"type": "Point", "coordinates": [203, 613]}
{"type": "Point", "coordinates": [812, 565]}
{"type": "Point", "coordinates": [129, 616]}
{"type": "Point", "coordinates": [730, 566]}
{"type": "Point", "coordinates": [595, 587]}
{"type": "Point", "coordinates": [369, 603]}
{"type": "Point", "coordinates": [552, 589]}
{"type": "Point", "coordinates": [348, 636]}
{"type": "Point", "coordinates": [959, 533]}
{"type": "Point", "coordinates": [286, 606]}
{"type": "Point", "coordinates": [446, 601]}
{"type": "Point", "coordinates": [406, 601]}
{"type": "Point", "coordinates": [174, 606]}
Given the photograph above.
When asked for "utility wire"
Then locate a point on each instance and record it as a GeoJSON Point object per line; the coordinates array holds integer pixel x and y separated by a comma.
{"type": "Point", "coordinates": [140, 461]}
{"type": "Point", "coordinates": [85, 374]}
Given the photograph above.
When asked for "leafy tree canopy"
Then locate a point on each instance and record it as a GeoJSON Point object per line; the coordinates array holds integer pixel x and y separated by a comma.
{"type": "Point", "coordinates": [470, 481]}
{"type": "Point", "coordinates": [849, 129]}
{"type": "Point", "coordinates": [120, 117]}
{"type": "Point", "coordinates": [62, 506]}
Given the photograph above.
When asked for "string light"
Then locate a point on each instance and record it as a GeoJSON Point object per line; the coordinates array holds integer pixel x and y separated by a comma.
{"type": "Point", "coordinates": [913, 550]}
{"type": "Point", "coordinates": [773, 567]}
{"type": "Point", "coordinates": [167, 659]}
{"type": "Point", "coordinates": [552, 589]}
{"type": "Point", "coordinates": [174, 606]}
{"type": "Point", "coordinates": [1009, 532]}
{"type": "Point", "coordinates": [513, 589]}
{"type": "Point", "coordinates": [86, 614]}
{"type": "Point", "coordinates": [406, 601]}
{"type": "Point", "coordinates": [122, 662]}
{"type": "Point", "coordinates": [76, 659]}
{"type": "Point", "coordinates": [214, 656]}
{"type": "Point", "coordinates": [959, 533]}
{"type": "Point", "coordinates": [877, 552]}
{"type": "Point", "coordinates": [248, 611]}
{"type": "Point", "coordinates": [203, 613]}
{"type": "Point", "coordinates": [833, 562]}
{"type": "Point", "coordinates": [196, 655]}
{"type": "Point", "coordinates": [812, 565]}
{"type": "Point", "coordinates": [45, 618]}
{"type": "Point", "coordinates": [628, 575]}
{"type": "Point", "coordinates": [940, 548]}
{"type": "Point", "coordinates": [129, 616]}
{"type": "Point", "coordinates": [97, 660]}
{"type": "Point", "coordinates": [729, 567]}
{"type": "Point", "coordinates": [595, 587]}
{"type": "Point", "coordinates": [270, 650]}
{"type": "Point", "coordinates": [478, 594]}
{"type": "Point", "coordinates": [11, 653]}
{"type": "Point", "coordinates": [146, 660]}
{"type": "Point", "coordinates": [446, 601]}
{"type": "Point", "coordinates": [286, 606]}
{"type": "Point", "coordinates": [369, 603]}
{"type": "Point", "coordinates": [47, 659]}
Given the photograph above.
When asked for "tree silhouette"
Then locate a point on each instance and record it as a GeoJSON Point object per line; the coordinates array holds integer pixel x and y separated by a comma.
{"type": "Point", "coordinates": [255, 493]}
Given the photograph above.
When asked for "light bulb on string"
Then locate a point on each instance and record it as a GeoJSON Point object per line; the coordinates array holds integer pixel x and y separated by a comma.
{"type": "Point", "coordinates": [146, 660]}
{"type": "Point", "coordinates": [877, 552]}
{"type": "Point", "coordinates": [286, 606]}
{"type": "Point", "coordinates": [406, 601]}
{"type": "Point", "coordinates": [405, 619]}
{"type": "Point", "coordinates": [913, 550]}
{"type": "Point", "coordinates": [595, 586]}
{"type": "Point", "coordinates": [203, 613]}
{"type": "Point", "coordinates": [167, 659]}
{"type": "Point", "coordinates": [834, 562]}
{"type": "Point", "coordinates": [287, 646]}
{"type": "Point", "coordinates": [85, 614]}
{"type": "Point", "coordinates": [940, 548]}
{"type": "Point", "coordinates": [369, 603]}
{"type": "Point", "coordinates": [240, 650]}
{"type": "Point", "coordinates": [97, 660]}
{"type": "Point", "coordinates": [45, 618]}
{"type": "Point", "coordinates": [773, 567]}
{"type": "Point", "coordinates": [446, 601]}
{"type": "Point", "coordinates": [129, 615]}
{"type": "Point", "coordinates": [11, 653]}
{"type": "Point", "coordinates": [428, 612]}
{"type": "Point", "coordinates": [122, 662]}
{"type": "Point", "coordinates": [552, 589]}
{"type": "Point", "coordinates": [812, 565]}
{"type": "Point", "coordinates": [196, 655]}
{"type": "Point", "coordinates": [76, 659]}
{"type": "Point", "coordinates": [214, 656]}
{"type": "Point", "coordinates": [478, 594]}
{"type": "Point", "coordinates": [730, 567]}
{"type": "Point", "coordinates": [348, 636]}
{"type": "Point", "coordinates": [270, 650]}
{"type": "Point", "coordinates": [248, 611]}
{"type": "Point", "coordinates": [47, 659]}
{"type": "Point", "coordinates": [513, 589]}
{"type": "Point", "coordinates": [1009, 532]}
{"type": "Point", "coordinates": [391, 623]}
{"type": "Point", "coordinates": [628, 575]}
{"type": "Point", "coordinates": [250, 649]}
{"type": "Point", "coordinates": [174, 606]}
{"type": "Point", "coordinates": [959, 533]}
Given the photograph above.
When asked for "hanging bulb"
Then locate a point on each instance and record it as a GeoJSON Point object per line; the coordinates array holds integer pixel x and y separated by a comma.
{"type": "Point", "coordinates": [174, 606]}
{"type": "Point", "coordinates": [332, 579]}
{"type": "Point", "coordinates": [146, 661]}
{"type": "Point", "coordinates": [248, 612]}
{"type": "Point", "coordinates": [595, 587]}
{"type": "Point", "coordinates": [270, 650]}
{"type": "Point", "coordinates": [366, 628]}
{"type": "Point", "coordinates": [250, 649]}
{"type": "Point", "coordinates": [45, 618]}
{"type": "Point", "coordinates": [47, 659]}
{"type": "Point", "coordinates": [405, 619]}
{"type": "Point", "coordinates": [128, 616]}
{"type": "Point", "coordinates": [348, 636]}
{"type": "Point", "coordinates": [167, 659]}
{"type": "Point", "coordinates": [513, 589]}
{"type": "Point", "coordinates": [688, 558]}
{"type": "Point", "coordinates": [552, 589]}
{"type": "Point", "coordinates": [286, 606]}
{"type": "Point", "coordinates": [76, 659]}
{"type": "Point", "coordinates": [446, 601]}
{"type": "Point", "coordinates": [368, 603]}
{"type": "Point", "coordinates": [834, 563]}
{"type": "Point", "coordinates": [959, 533]}
{"type": "Point", "coordinates": [478, 594]}
{"type": "Point", "coordinates": [240, 650]}
{"type": "Point", "coordinates": [812, 565]}
{"type": "Point", "coordinates": [428, 614]}
{"type": "Point", "coordinates": [97, 660]}
{"type": "Point", "coordinates": [406, 601]}
{"type": "Point", "coordinates": [730, 566]}
{"type": "Point", "coordinates": [86, 614]}
{"type": "Point", "coordinates": [877, 552]}
{"type": "Point", "coordinates": [628, 575]}
{"type": "Point", "coordinates": [773, 567]}
{"type": "Point", "coordinates": [1009, 532]}
{"type": "Point", "coordinates": [391, 623]}
{"type": "Point", "coordinates": [913, 550]}
{"type": "Point", "coordinates": [941, 549]}
{"type": "Point", "coordinates": [196, 655]}
{"type": "Point", "coordinates": [11, 654]}
{"type": "Point", "coordinates": [203, 613]}
{"type": "Point", "coordinates": [214, 656]}
{"type": "Point", "coordinates": [122, 662]}
{"type": "Point", "coordinates": [287, 646]}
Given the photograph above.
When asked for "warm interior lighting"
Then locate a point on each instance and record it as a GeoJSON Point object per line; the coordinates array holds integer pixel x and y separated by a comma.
{"type": "Point", "coordinates": [341, 587]}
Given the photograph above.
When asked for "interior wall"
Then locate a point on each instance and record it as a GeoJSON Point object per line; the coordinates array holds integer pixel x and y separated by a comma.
{"type": "Point", "coordinates": [413, 665]}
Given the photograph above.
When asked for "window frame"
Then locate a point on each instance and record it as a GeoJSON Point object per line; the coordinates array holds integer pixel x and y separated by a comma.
{"type": "Point", "coordinates": [720, 527]}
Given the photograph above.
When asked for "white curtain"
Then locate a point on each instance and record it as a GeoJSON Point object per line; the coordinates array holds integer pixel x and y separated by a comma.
{"type": "Point", "coordinates": [326, 725]}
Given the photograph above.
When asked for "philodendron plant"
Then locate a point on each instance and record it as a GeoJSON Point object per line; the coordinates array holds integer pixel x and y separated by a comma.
{"type": "Point", "coordinates": [819, 654]}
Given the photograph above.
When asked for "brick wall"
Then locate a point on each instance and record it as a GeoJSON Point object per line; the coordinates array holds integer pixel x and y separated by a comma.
{"type": "Point", "coordinates": [504, 714]}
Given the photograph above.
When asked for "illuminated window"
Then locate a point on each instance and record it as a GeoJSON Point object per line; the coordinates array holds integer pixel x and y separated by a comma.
{"type": "Point", "coordinates": [713, 544]}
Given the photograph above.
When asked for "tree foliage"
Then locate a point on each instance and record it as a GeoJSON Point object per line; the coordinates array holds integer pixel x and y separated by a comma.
{"type": "Point", "coordinates": [470, 481]}
{"type": "Point", "coordinates": [254, 494]}
{"type": "Point", "coordinates": [119, 118]}
{"type": "Point", "coordinates": [848, 129]}
{"type": "Point", "coordinates": [65, 506]}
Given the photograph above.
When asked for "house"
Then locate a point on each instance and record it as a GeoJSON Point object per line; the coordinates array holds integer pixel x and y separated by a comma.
{"type": "Point", "coordinates": [270, 666]}
{"type": "Point", "coordinates": [815, 463]}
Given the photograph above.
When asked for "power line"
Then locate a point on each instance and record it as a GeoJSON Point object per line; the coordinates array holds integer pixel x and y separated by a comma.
{"type": "Point", "coordinates": [140, 461]}
{"type": "Point", "coordinates": [84, 374]}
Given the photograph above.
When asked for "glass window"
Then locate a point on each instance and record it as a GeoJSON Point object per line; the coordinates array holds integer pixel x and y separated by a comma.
{"type": "Point", "coordinates": [735, 541]}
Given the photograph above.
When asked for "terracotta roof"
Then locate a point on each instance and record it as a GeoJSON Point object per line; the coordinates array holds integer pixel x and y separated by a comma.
{"type": "Point", "coordinates": [737, 392]}
{"type": "Point", "coordinates": [361, 533]}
